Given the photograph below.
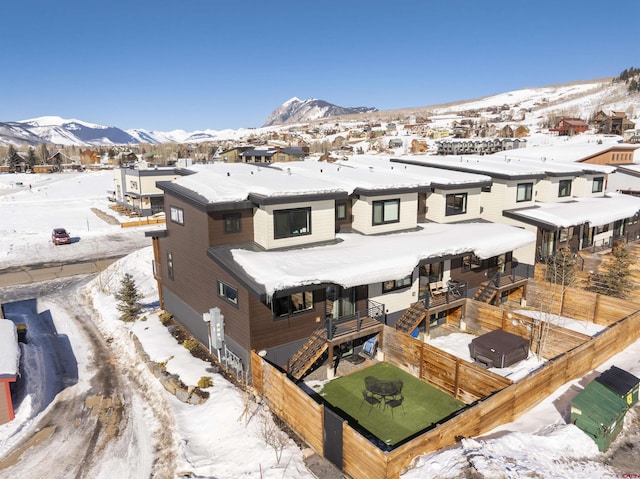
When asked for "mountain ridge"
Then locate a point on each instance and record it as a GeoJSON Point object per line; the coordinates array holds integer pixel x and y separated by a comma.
{"type": "Point", "coordinates": [576, 98]}
{"type": "Point", "coordinates": [295, 110]}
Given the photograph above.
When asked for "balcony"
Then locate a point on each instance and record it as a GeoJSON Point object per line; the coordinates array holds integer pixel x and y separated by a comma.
{"type": "Point", "coordinates": [356, 325]}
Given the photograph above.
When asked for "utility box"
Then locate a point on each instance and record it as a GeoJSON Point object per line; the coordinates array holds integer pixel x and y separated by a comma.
{"type": "Point", "coordinates": [599, 412]}
{"type": "Point", "coordinates": [621, 382]}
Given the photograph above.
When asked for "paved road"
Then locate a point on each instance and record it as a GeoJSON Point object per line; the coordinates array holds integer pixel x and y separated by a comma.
{"type": "Point", "coordinates": [36, 273]}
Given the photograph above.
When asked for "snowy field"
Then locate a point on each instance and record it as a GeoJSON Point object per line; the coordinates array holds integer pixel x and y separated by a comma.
{"type": "Point", "coordinates": [216, 439]}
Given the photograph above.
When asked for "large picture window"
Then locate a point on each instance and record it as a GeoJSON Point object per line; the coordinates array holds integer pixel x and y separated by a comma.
{"type": "Point", "coordinates": [292, 223]}
{"type": "Point", "coordinates": [177, 215]}
{"type": "Point", "coordinates": [456, 204]}
{"type": "Point", "coordinates": [525, 192]}
{"type": "Point", "coordinates": [386, 211]}
{"type": "Point", "coordinates": [564, 188]}
{"type": "Point", "coordinates": [598, 185]}
{"type": "Point", "coordinates": [294, 303]}
{"type": "Point", "coordinates": [228, 293]}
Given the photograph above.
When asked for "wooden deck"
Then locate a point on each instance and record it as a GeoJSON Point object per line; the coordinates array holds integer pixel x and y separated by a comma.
{"type": "Point", "coordinates": [353, 329]}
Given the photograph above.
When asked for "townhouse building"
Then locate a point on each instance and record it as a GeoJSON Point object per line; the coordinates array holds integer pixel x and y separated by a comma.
{"type": "Point", "coordinates": [563, 202]}
{"type": "Point", "coordinates": [134, 187]}
{"type": "Point", "coordinates": [289, 253]}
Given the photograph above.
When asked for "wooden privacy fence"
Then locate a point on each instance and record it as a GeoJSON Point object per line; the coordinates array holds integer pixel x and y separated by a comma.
{"type": "Point", "coordinates": [577, 303]}
{"type": "Point", "coordinates": [142, 222]}
{"type": "Point", "coordinates": [502, 401]}
{"type": "Point", "coordinates": [458, 378]}
{"type": "Point", "coordinates": [544, 336]}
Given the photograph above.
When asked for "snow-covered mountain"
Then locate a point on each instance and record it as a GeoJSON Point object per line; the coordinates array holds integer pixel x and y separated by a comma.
{"type": "Point", "coordinates": [61, 131]}
{"type": "Point", "coordinates": [295, 110]}
{"type": "Point", "coordinates": [528, 106]}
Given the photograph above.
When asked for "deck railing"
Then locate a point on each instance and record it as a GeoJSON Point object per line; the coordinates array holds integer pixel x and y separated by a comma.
{"type": "Point", "coordinates": [353, 322]}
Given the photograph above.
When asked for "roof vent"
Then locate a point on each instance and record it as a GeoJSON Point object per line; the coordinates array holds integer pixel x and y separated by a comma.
{"type": "Point", "coordinates": [228, 174]}
{"type": "Point", "coordinates": [371, 169]}
{"type": "Point", "coordinates": [289, 171]}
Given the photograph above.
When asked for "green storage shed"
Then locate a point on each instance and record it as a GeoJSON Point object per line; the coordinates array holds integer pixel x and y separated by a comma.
{"type": "Point", "coordinates": [622, 382]}
{"type": "Point", "coordinates": [599, 412]}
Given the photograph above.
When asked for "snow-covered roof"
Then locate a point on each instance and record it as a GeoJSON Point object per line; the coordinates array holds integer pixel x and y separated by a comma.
{"type": "Point", "coordinates": [229, 182]}
{"type": "Point", "coordinates": [508, 164]}
{"type": "Point", "coordinates": [349, 178]}
{"type": "Point", "coordinates": [595, 211]}
{"type": "Point", "coordinates": [358, 259]}
{"type": "Point", "coordinates": [436, 176]}
{"type": "Point", "coordinates": [9, 349]}
{"type": "Point", "coordinates": [570, 153]}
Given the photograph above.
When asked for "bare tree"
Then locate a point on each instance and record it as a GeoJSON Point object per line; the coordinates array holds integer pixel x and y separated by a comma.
{"type": "Point", "coordinates": [273, 435]}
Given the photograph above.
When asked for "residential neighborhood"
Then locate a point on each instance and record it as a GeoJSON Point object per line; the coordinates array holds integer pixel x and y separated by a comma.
{"type": "Point", "coordinates": [301, 259]}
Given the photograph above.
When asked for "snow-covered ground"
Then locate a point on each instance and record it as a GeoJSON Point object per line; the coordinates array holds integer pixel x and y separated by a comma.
{"type": "Point", "coordinates": [219, 439]}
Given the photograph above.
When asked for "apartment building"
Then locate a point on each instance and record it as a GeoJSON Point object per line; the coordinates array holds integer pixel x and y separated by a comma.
{"type": "Point", "coordinates": [284, 250]}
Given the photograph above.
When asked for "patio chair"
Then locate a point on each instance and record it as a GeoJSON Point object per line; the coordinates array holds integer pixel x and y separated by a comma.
{"type": "Point", "coordinates": [370, 399]}
{"type": "Point", "coordinates": [394, 402]}
{"type": "Point", "coordinates": [369, 348]}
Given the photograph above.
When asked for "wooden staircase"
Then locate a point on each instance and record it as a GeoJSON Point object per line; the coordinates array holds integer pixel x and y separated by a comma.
{"type": "Point", "coordinates": [308, 354]}
{"type": "Point", "coordinates": [411, 317]}
{"type": "Point", "coordinates": [486, 294]}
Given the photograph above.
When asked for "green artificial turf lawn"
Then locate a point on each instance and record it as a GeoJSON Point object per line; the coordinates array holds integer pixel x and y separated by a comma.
{"type": "Point", "coordinates": [423, 404]}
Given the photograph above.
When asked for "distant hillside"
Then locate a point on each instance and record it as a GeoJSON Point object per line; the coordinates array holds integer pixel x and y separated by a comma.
{"type": "Point", "coordinates": [301, 111]}
{"type": "Point", "coordinates": [531, 106]}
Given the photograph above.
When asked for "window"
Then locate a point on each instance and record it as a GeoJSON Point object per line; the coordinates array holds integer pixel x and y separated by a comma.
{"type": "Point", "coordinates": [598, 185]}
{"type": "Point", "coordinates": [456, 204]}
{"type": "Point", "coordinates": [232, 223]}
{"type": "Point", "coordinates": [341, 211]}
{"type": "Point", "coordinates": [292, 223]}
{"type": "Point", "coordinates": [565, 234]}
{"type": "Point", "coordinates": [396, 284]}
{"type": "Point", "coordinates": [170, 265]}
{"type": "Point", "coordinates": [386, 211]}
{"type": "Point", "coordinates": [525, 192]}
{"type": "Point", "coordinates": [228, 293]}
{"type": "Point", "coordinates": [564, 188]}
{"type": "Point", "coordinates": [177, 215]}
{"type": "Point", "coordinates": [294, 303]}
{"type": "Point", "coordinates": [470, 261]}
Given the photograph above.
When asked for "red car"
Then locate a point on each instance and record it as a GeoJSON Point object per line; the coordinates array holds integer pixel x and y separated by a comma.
{"type": "Point", "coordinates": [60, 236]}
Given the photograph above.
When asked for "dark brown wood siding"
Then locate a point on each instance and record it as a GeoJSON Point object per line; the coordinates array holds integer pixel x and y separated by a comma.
{"type": "Point", "coordinates": [236, 317]}
{"type": "Point", "coordinates": [475, 276]}
{"type": "Point", "coordinates": [216, 228]}
{"type": "Point", "coordinates": [268, 332]}
{"type": "Point", "coordinates": [193, 277]}
{"type": "Point", "coordinates": [422, 206]}
{"type": "Point", "coordinates": [344, 223]}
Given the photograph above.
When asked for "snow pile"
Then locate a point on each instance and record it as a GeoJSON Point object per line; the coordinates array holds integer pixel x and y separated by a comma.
{"type": "Point", "coordinates": [9, 349]}
{"type": "Point", "coordinates": [228, 435]}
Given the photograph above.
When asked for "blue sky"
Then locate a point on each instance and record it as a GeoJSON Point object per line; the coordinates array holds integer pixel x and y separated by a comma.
{"type": "Point", "coordinates": [228, 64]}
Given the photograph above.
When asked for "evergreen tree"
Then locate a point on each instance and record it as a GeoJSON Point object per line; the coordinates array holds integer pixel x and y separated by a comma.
{"type": "Point", "coordinates": [614, 279]}
{"type": "Point", "coordinates": [128, 298]}
{"type": "Point", "coordinates": [561, 268]}
{"type": "Point", "coordinates": [13, 159]}
{"type": "Point", "coordinates": [31, 158]}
